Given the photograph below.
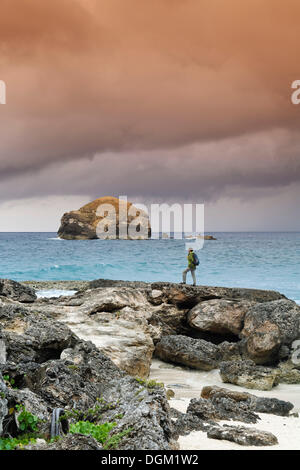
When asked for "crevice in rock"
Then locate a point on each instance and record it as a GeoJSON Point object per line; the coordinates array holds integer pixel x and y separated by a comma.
{"type": "Point", "coordinates": [109, 308]}
{"type": "Point", "coordinates": [48, 354]}
{"type": "Point", "coordinates": [193, 301]}
{"type": "Point", "coordinates": [214, 338]}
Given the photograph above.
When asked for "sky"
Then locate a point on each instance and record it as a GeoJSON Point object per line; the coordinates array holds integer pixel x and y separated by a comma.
{"type": "Point", "coordinates": [163, 101]}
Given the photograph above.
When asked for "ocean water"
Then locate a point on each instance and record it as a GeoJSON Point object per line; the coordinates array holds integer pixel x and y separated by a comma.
{"type": "Point", "coordinates": [253, 260]}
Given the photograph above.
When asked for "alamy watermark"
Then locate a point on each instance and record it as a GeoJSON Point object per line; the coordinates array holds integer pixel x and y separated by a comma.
{"type": "Point", "coordinates": [2, 92]}
{"type": "Point", "coordinates": [138, 221]}
{"type": "Point", "coordinates": [295, 358]}
{"type": "Point", "coordinates": [296, 94]}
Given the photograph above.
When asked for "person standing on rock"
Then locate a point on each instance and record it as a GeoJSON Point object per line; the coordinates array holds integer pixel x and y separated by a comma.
{"type": "Point", "coordinates": [192, 263]}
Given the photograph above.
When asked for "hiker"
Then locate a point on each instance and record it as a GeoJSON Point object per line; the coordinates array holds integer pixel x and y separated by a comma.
{"type": "Point", "coordinates": [193, 261]}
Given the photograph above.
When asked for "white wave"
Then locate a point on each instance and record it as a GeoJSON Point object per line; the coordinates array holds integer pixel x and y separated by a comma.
{"type": "Point", "coordinates": [54, 293]}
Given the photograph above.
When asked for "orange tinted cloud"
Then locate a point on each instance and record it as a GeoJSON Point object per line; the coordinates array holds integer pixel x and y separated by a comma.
{"type": "Point", "coordinates": [86, 77]}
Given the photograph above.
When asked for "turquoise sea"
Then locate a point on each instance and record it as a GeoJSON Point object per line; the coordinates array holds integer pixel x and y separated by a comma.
{"type": "Point", "coordinates": [254, 260]}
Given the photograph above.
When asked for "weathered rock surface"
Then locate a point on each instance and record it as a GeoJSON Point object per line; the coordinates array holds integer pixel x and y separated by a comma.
{"type": "Point", "coordinates": [126, 319]}
{"type": "Point", "coordinates": [49, 376]}
{"type": "Point", "coordinates": [194, 353]}
{"type": "Point", "coordinates": [248, 374]}
{"type": "Point", "coordinates": [70, 442]}
{"type": "Point", "coordinates": [219, 316]}
{"type": "Point", "coordinates": [223, 404]}
{"type": "Point", "coordinates": [268, 326]}
{"type": "Point", "coordinates": [187, 422]}
{"type": "Point", "coordinates": [289, 373]}
{"type": "Point", "coordinates": [189, 296]}
{"type": "Point", "coordinates": [252, 402]}
{"type": "Point", "coordinates": [120, 321]}
{"type": "Point", "coordinates": [32, 337]}
{"type": "Point", "coordinates": [242, 435]}
{"type": "Point", "coordinates": [82, 224]}
{"type": "Point", "coordinates": [16, 291]}
{"type": "Point", "coordinates": [220, 407]}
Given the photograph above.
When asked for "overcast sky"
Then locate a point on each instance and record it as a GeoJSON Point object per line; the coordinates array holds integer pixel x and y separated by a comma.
{"type": "Point", "coordinates": [162, 101]}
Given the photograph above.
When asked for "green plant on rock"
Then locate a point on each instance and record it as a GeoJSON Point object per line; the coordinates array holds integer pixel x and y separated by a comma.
{"type": "Point", "coordinates": [9, 380]}
{"type": "Point", "coordinates": [149, 383]}
{"type": "Point", "coordinates": [93, 414]}
{"type": "Point", "coordinates": [16, 442]}
{"type": "Point", "coordinates": [27, 421]}
{"type": "Point", "coordinates": [99, 432]}
{"type": "Point", "coordinates": [27, 432]}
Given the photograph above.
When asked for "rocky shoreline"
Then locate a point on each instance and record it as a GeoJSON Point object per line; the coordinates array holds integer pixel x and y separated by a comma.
{"type": "Point", "coordinates": [56, 285]}
{"type": "Point", "coordinates": [70, 352]}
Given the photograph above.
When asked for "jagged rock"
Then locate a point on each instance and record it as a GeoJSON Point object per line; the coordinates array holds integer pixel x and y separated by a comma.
{"type": "Point", "coordinates": [289, 373]}
{"type": "Point", "coordinates": [75, 442]}
{"type": "Point", "coordinates": [268, 326]}
{"type": "Point", "coordinates": [231, 351]}
{"type": "Point", "coordinates": [189, 296]}
{"type": "Point", "coordinates": [122, 321]}
{"type": "Point", "coordinates": [70, 442]}
{"type": "Point", "coordinates": [242, 435]}
{"type": "Point", "coordinates": [210, 391]}
{"type": "Point", "coordinates": [115, 319]}
{"type": "Point", "coordinates": [3, 402]}
{"type": "Point", "coordinates": [16, 291]}
{"type": "Point", "coordinates": [82, 224]}
{"type": "Point", "coordinates": [188, 422]}
{"type": "Point", "coordinates": [220, 407]}
{"type": "Point", "coordinates": [32, 337]}
{"type": "Point", "coordinates": [104, 283]}
{"type": "Point", "coordinates": [219, 316]}
{"type": "Point", "coordinates": [80, 377]}
{"type": "Point", "coordinates": [33, 404]}
{"type": "Point", "coordinates": [248, 374]}
{"type": "Point", "coordinates": [194, 353]}
{"type": "Point", "coordinates": [254, 403]}
{"type": "Point", "coordinates": [271, 406]}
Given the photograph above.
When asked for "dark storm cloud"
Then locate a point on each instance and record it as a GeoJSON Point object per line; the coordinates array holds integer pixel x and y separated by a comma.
{"type": "Point", "coordinates": [180, 98]}
{"type": "Point", "coordinates": [199, 172]}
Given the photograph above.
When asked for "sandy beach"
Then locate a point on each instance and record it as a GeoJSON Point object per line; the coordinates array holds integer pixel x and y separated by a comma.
{"type": "Point", "coordinates": [187, 384]}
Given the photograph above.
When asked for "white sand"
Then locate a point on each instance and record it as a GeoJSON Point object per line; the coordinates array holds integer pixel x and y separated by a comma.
{"type": "Point", "coordinates": [187, 384]}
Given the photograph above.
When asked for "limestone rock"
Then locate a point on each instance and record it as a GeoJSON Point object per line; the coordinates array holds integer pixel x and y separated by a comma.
{"type": "Point", "coordinates": [70, 442]}
{"type": "Point", "coordinates": [219, 316]}
{"type": "Point", "coordinates": [187, 422]}
{"type": "Point", "coordinates": [194, 353]}
{"type": "Point", "coordinates": [289, 373]}
{"type": "Point", "coordinates": [254, 403]}
{"type": "Point", "coordinates": [248, 374]}
{"type": "Point", "coordinates": [189, 296]}
{"type": "Point", "coordinates": [116, 320]}
{"type": "Point", "coordinates": [268, 326]}
{"type": "Point", "coordinates": [16, 291]}
{"type": "Point", "coordinates": [222, 408]}
{"type": "Point", "coordinates": [242, 435]}
{"type": "Point", "coordinates": [61, 383]}
{"type": "Point", "coordinates": [82, 224]}
{"type": "Point", "coordinates": [32, 337]}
